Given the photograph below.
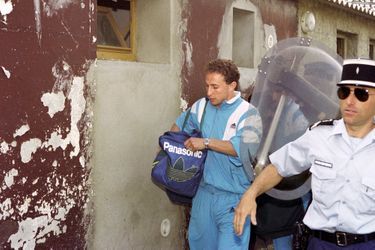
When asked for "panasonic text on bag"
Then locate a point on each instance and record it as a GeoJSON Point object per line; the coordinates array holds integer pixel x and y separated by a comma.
{"type": "Point", "coordinates": [181, 151]}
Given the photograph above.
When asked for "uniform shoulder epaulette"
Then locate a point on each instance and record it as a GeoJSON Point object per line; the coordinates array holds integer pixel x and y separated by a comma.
{"type": "Point", "coordinates": [326, 122]}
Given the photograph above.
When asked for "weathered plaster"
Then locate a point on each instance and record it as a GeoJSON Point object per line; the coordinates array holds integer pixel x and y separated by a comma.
{"type": "Point", "coordinates": [28, 148]}
{"type": "Point", "coordinates": [183, 104]}
{"type": "Point", "coordinates": [9, 178]}
{"type": "Point", "coordinates": [54, 101]}
{"type": "Point", "coordinates": [38, 22]}
{"type": "Point", "coordinates": [199, 43]}
{"type": "Point", "coordinates": [6, 7]}
{"type": "Point", "coordinates": [45, 142]}
{"type": "Point", "coordinates": [22, 130]}
{"type": "Point", "coordinates": [6, 72]}
{"type": "Point", "coordinates": [52, 7]}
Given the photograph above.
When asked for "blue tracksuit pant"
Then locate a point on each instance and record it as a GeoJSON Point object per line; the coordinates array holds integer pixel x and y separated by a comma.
{"type": "Point", "coordinates": [211, 222]}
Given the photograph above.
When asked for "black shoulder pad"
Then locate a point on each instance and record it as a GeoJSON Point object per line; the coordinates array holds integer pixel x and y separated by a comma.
{"type": "Point", "coordinates": [326, 122]}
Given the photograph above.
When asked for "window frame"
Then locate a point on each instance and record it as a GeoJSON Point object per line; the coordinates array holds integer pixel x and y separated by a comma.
{"type": "Point", "coordinates": [114, 52]}
{"type": "Point", "coordinates": [372, 47]}
{"type": "Point", "coordinates": [342, 47]}
{"type": "Point", "coordinates": [350, 43]}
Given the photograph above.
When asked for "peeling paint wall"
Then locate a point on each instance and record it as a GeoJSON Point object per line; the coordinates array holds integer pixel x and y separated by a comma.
{"type": "Point", "coordinates": [46, 121]}
{"type": "Point", "coordinates": [201, 25]}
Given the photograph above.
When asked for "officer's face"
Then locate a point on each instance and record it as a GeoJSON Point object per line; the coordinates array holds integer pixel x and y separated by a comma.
{"type": "Point", "coordinates": [217, 89]}
{"type": "Point", "coordinates": [355, 112]}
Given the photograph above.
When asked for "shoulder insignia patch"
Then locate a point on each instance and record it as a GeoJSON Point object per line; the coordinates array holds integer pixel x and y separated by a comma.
{"type": "Point", "coordinates": [326, 122]}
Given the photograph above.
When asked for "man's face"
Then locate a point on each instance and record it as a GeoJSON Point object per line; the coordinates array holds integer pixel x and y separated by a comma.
{"type": "Point", "coordinates": [357, 113]}
{"type": "Point", "coordinates": [217, 89]}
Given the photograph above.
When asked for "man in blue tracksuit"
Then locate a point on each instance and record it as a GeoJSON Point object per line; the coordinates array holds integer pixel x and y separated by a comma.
{"type": "Point", "coordinates": [224, 180]}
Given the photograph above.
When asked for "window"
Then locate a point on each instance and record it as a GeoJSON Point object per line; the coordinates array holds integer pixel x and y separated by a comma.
{"type": "Point", "coordinates": [347, 44]}
{"type": "Point", "coordinates": [116, 29]}
{"type": "Point", "coordinates": [371, 51]}
{"type": "Point", "coordinates": [243, 38]}
{"type": "Point", "coordinates": [340, 45]}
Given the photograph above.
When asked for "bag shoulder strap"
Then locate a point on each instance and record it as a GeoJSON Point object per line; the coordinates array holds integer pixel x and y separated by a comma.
{"type": "Point", "coordinates": [186, 118]}
{"type": "Point", "coordinates": [204, 112]}
{"type": "Point", "coordinates": [202, 118]}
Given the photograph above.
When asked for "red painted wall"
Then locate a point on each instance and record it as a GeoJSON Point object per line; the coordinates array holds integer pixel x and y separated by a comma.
{"type": "Point", "coordinates": [281, 14]}
{"type": "Point", "coordinates": [46, 49]}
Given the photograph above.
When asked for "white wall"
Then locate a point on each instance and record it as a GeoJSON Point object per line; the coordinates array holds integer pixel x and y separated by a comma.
{"type": "Point", "coordinates": [135, 103]}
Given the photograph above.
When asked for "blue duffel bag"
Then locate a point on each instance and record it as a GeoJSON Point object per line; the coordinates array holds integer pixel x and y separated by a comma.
{"type": "Point", "coordinates": [177, 169]}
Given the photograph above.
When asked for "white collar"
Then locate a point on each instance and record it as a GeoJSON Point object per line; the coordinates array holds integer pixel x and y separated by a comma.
{"type": "Point", "coordinates": [237, 95]}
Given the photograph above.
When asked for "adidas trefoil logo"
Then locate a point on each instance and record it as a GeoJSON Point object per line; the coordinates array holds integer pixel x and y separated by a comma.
{"type": "Point", "coordinates": [177, 172]}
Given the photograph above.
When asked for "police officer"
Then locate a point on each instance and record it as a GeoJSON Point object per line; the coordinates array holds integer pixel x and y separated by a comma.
{"type": "Point", "coordinates": [340, 156]}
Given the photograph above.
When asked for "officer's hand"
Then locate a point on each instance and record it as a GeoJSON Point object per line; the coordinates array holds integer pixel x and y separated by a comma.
{"type": "Point", "coordinates": [246, 207]}
{"type": "Point", "coordinates": [194, 144]}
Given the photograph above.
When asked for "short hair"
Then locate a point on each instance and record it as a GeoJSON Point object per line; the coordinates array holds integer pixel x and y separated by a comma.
{"type": "Point", "coordinates": [225, 67]}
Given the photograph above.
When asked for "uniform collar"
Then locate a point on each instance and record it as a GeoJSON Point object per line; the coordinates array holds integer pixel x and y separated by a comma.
{"type": "Point", "coordinates": [341, 129]}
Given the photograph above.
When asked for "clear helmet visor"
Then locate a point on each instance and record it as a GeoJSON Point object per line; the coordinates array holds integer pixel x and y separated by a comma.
{"type": "Point", "coordinates": [294, 88]}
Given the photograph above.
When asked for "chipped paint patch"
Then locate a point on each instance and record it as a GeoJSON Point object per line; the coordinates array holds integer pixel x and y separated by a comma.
{"type": "Point", "coordinates": [6, 72]}
{"type": "Point", "coordinates": [21, 131]}
{"type": "Point", "coordinates": [189, 56]}
{"type": "Point", "coordinates": [38, 21]}
{"type": "Point", "coordinates": [56, 141]}
{"type": "Point", "coordinates": [28, 148]}
{"type": "Point", "coordinates": [187, 45]}
{"type": "Point", "coordinates": [4, 147]}
{"type": "Point", "coordinates": [183, 104]}
{"type": "Point", "coordinates": [6, 7]}
{"type": "Point", "coordinates": [54, 163]}
{"type": "Point", "coordinates": [54, 101]}
{"type": "Point", "coordinates": [82, 161]}
{"type": "Point", "coordinates": [35, 181]}
{"type": "Point", "coordinates": [35, 230]}
{"type": "Point", "coordinates": [9, 177]}
{"type": "Point", "coordinates": [23, 208]}
{"type": "Point", "coordinates": [51, 7]}
{"type": "Point", "coordinates": [6, 209]}
{"type": "Point", "coordinates": [64, 76]}
{"type": "Point", "coordinates": [29, 231]}
{"type": "Point", "coordinates": [78, 104]}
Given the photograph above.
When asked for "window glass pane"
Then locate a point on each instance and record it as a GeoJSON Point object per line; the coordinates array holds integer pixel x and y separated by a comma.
{"type": "Point", "coordinates": [105, 32]}
{"type": "Point", "coordinates": [115, 29]}
{"type": "Point", "coordinates": [340, 43]}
